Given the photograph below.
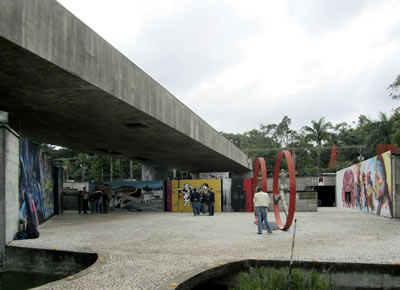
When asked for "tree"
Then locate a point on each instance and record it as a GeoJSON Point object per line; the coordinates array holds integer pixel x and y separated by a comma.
{"type": "Point", "coordinates": [395, 87]}
{"type": "Point", "coordinates": [318, 133]}
{"type": "Point", "coordinates": [281, 134]}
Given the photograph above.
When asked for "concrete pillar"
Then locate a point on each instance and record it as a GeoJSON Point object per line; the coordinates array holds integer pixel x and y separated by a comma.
{"type": "Point", "coordinates": [154, 171]}
{"type": "Point", "coordinates": [9, 202]}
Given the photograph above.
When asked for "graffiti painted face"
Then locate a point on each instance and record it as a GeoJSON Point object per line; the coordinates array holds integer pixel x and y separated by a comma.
{"type": "Point", "coordinates": [379, 183]}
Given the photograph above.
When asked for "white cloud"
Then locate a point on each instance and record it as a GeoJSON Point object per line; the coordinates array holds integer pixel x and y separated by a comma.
{"type": "Point", "coordinates": [238, 64]}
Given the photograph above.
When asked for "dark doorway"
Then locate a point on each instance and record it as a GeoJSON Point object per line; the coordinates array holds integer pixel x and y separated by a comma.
{"type": "Point", "coordinates": [326, 195]}
{"type": "Point", "coordinates": [238, 197]}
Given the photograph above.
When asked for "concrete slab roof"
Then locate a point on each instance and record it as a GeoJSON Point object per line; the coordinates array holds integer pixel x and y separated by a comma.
{"type": "Point", "coordinates": [63, 84]}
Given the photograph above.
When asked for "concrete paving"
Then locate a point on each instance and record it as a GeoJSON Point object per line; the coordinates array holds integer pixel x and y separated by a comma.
{"type": "Point", "coordinates": [143, 250]}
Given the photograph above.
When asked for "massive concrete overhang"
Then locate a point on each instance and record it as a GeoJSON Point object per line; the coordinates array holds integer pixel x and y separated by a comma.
{"type": "Point", "coordinates": [63, 84]}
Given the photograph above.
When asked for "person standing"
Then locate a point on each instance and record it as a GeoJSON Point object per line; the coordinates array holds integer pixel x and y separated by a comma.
{"type": "Point", "coordinates": [92, 201]}
{"type": "Point", "coordinates": [204, 203]}
{"type": "Point", "coordinates": [85, 200]}
{"type": "Point", "coordinates": [195, 199]}
{"type": "Point", "coordinates": [80, 202]}
{"type": "Point", "coordinates": [96, 196]}
{"type": "Point", "coordinates": [105, 202]}
{"type": "Point", "coordinates": [211, 201]}
{"type": "Point", "coordinates": [261, 202]}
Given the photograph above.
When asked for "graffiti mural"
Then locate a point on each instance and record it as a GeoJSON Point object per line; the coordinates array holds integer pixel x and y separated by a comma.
{"type": "Point", "coordinates": [36, 183]}
{"type": "Point", "coordinates": [58, 190]}
{"type": "Point", "coordinates": [367, 186]}
{"type": "Point", "coordinates": [133, 195]}
{"type": "Point", "coordinates": [182, 189]}
{"type": "Point", "coordinates": [226, 195]}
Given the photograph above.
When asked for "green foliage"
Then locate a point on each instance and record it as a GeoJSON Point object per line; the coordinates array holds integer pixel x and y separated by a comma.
{"type": "Point", "coordinates": [277, 278]}
{"type": "Point", "coordinates": [395, 87]}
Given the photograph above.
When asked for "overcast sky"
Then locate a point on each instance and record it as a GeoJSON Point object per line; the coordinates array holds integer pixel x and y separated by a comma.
{"type": "Point", "coordinates": [238, 64]}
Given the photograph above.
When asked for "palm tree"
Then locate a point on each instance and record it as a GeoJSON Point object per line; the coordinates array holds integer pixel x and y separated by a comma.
{"type": "Point", "coordinates": [318, 132]}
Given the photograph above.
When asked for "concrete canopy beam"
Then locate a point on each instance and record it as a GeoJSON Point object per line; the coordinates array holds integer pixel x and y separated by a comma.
{"type": "Point", "coordinates": [63, 84]}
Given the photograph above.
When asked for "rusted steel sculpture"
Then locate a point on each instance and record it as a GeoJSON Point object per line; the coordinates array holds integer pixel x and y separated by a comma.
{"type": "Point", "coordinates": [292, 186]}
{"type": "Point", "coordinates": [260, 164]}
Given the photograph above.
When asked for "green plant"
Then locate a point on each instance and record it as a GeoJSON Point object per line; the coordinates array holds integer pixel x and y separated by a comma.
{"type": "Point", "coordinates": [277, 278]}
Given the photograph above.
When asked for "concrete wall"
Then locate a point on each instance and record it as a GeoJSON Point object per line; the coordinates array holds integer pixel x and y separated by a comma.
{"type": "Point", "coordinates": [9, 158]}
{"type": "Point", "coordinates": [76, 185]}
{"type": "Point", "coordinates": [306, 201]}
{"type": "Point", "coordinates": [47, 261]}
{"type": "Point", "coordinates": [305, 183]}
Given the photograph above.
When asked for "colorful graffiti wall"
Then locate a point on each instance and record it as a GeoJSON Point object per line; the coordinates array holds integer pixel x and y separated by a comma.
{"type": "Point", "coordinates": [36, 183]}
{"type": "Point", "coordinates": [58, 190]}
{"type": "Point", "coordinates": [181, 189]}
{"type": "Point", "coordinates": [133, 195]}
{"type": "Point", "coordinates": [367, 186]}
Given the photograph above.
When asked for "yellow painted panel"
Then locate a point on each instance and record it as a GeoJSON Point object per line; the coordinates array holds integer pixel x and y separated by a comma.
{"type": "Point", "coordinates": [180, 193]}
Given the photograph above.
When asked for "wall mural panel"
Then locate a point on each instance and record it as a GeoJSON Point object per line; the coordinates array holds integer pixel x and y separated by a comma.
{"type": "Point", "coordinates": [134, 195]}
{"type": "Point", "coordinates": [367, 186]}
{"type": "Point", "coordinates": [181, 190]}
{"type": "Point", "coordinates": [36, 183]}
{"type": "Point", "coordinates": [242, 195]}
{"type": "Point", "coordinates": [226, 195]}
{"type": "Point", "coordinates": [58, 190]}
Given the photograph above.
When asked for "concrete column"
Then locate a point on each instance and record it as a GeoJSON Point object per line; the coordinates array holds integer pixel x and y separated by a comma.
{"type": "Point", "coordinates": [154, 171]}
{"type": "Point", "coordinates": [9, 202]}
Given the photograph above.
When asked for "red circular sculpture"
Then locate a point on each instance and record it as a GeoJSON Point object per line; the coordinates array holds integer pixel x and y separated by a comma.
{"type": "Point", "coordinates": [260, 162]}
{"type": "Point", "coordinates": [292, 180]}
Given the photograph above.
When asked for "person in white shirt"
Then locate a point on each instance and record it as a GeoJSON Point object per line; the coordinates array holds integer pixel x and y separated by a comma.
{"type": "Point", "coordinates": [261, 203]}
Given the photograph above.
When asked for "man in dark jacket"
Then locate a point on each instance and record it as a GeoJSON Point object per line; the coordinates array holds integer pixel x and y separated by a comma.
{"type": "Point", "coordinates": [204, 203]}
{"type": "Point", "coordinates": [211, 201]}
{"type": "Point", "coordinates": [195, 199]}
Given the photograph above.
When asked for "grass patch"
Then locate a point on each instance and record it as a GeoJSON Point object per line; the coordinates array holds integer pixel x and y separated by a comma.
{"type": "Point", "coordinates": [277, 278]}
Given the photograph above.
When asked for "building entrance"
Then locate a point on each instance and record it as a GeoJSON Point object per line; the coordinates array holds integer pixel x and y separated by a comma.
{"type": "Point", "coordinates": [326, 195]}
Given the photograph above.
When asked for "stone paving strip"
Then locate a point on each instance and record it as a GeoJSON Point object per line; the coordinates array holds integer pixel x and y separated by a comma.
{"type": "Point", "coordinates": [143, 250]}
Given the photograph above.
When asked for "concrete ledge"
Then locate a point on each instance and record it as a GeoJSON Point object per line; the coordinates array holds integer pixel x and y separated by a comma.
{"type": "Point", "coordinates": [348, 275]}
{"type": "Point", "coordinates": [48, 261]}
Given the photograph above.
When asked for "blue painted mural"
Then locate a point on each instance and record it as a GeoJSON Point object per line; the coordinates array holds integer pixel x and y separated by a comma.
{"type": "Point", "coordinates": [36, 183]}
{"type": "Point", "coordinates": [133, 195]}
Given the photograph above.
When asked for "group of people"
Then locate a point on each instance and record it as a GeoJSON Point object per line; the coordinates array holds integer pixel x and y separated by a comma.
{"type": "Point", "coordinates": [203, 202]}
{"type": "Point", "coordinates": [96, 200]}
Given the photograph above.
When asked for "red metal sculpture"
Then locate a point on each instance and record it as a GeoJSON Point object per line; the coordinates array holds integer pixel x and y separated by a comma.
{"type": "Point", "coordinates": [260, 162]}
{"type": "Point", "coordinates": [292, 180]}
